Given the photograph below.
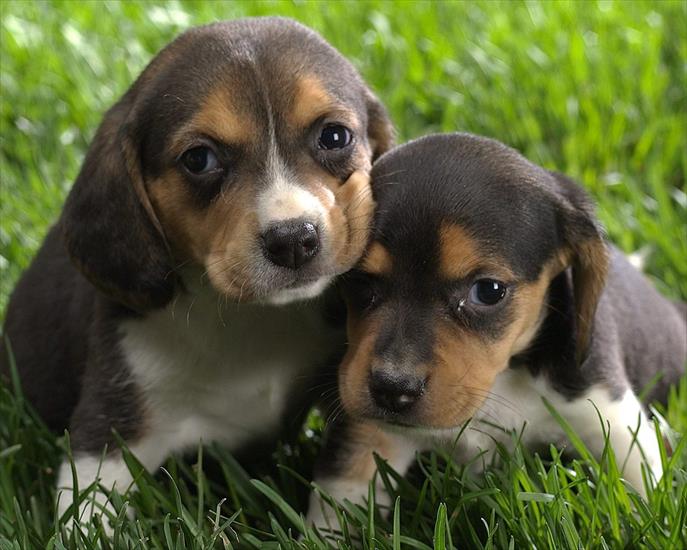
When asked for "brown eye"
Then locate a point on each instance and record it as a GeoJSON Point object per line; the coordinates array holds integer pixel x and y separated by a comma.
{"type": "Point", "coordinates": [361, 291]}
{"type": "Point", "coordinates": [363, 298]}
{"type": "Point", "coordinates": [487, 292]}
{"type": "Point", "coordinates": [200, 160]}
{"type": "Point", "coordinates": [335, 136]}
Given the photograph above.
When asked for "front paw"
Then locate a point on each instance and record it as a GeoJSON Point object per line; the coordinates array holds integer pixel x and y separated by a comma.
{"type": "Point", "coordinates": [344, 493]}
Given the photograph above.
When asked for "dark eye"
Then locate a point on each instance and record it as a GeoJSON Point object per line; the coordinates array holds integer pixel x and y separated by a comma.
{"type": "Point", "coordinates": [335, 136]}
{"type": "Point", "coordinates": [487, 292]}
{"type": "Point", "coordinates": [200, 160]}
{"type": "Point", "coordinates": [360, 292]}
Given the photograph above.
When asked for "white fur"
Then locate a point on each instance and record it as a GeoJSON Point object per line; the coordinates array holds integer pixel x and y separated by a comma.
{"type": "Point", "coordinates": [518, 400]}
{"type": "Point", "coordinates": [288, 295]}
{"type": "Point", "coordinates": [210, 372]}
{"type": "Point", "coordinates": [110, 472]}
{"type": "Point", "coordinates": [221, 374]}
{"type": "Point", "coordinates": [284, 199]}
{"type": "Point", "coordinates": [638, 259]}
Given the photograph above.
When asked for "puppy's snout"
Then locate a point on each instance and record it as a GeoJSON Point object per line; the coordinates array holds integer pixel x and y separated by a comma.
{"type": "Point", "coordinates": [291, 244]}
{"type": "Point", "coordinates": [395, 392]}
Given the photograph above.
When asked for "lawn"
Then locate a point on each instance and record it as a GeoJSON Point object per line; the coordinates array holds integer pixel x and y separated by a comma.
{"type": "Point", "coordinates": [595, 90]}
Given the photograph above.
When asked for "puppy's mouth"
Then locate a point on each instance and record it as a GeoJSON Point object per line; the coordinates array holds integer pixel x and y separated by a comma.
{"type": "Point", "coordinates": [416, 420]}
{"type": "Point", "coordinates": [420, 430]}
{"type": "Point", "coordinates": [387, 418]}
{"type": "Point", "coordinates": [300, 289]}
{"type": "Point", "coordinates": [257, 281]}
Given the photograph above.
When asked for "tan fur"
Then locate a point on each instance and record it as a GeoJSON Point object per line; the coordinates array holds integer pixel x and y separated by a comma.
{"type": "Point", "coordinates": [461, 255]}
{"type": "Point", "coordinates": [590, 266]}
{"type": "Point", "coordinates": [464, 365]}
{"type": "Point", "coordinates": [224, 236]}
{"type": "Point", "coordinates": [350, 218]}
{"type": "Point", "coordinates": [356, 364]}
{"type": "Point", "coordinates": [219, 119]}
{"type": "Point", "coordinates": [310, 101]}
{"type": "Point", "coordinates": [377, 260]}
{"type": "Point", "coordinates": [363, 439]}
{"type": "Point", "coordinates": [221, 237]}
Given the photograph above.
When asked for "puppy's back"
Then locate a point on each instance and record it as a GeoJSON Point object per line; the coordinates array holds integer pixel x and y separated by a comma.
{"type": "Point", "coordinates": [46, 326]}
{"type": "Point", "coordinates": [652, 332]}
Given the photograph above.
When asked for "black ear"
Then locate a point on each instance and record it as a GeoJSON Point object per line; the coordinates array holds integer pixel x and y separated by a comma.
{"type": "Point", "coordinates": [587, 253]}
{"type": "Point", "coordinates": [109, 226]}
{"type": "Point", "coordinates": [380, 130]}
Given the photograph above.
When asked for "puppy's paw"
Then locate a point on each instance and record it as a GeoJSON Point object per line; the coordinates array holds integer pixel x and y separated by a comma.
{"type": "Point", "coordinates": [110, 473]}
{"type": "Point", "coordinates": [321, 514]}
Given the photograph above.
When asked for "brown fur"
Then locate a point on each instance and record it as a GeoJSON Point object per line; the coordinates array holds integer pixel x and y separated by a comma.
{"type": "Point", "coordinates": [220, 119]}
{"type": "Point", "coordinates": [140, 225]}
{"type": "Point", "coordinates": [464, 365]}
{"type": "Point", "coordinates": [377, 260]}
{"type": "Point", "coordinates": [461, 255]}
{"type": "Point", "coordinates": [310, 101]}
{"type": "Point", "coordinates": [590, 267]}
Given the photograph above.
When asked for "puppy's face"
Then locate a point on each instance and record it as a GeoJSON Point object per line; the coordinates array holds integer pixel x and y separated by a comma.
{"type": "Point", "coordinates": [248, 145]}
{"type": "Point", "coordinates": [467, 239]}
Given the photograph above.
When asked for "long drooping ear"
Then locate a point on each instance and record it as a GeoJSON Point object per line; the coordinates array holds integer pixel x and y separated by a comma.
{"type": "Point", "coordinates": [587, 254]}
{"type": "Point", "coordinates": [380, 130]}
{"type": "Point", "coordinates": [109, 226]}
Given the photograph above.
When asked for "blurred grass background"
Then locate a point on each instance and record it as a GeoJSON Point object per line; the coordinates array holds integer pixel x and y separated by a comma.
{"type": "Point", "coordinates": [594, 89]}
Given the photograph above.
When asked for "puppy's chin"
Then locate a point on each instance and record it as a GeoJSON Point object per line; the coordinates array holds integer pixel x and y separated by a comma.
{"type": "Point", "coordinates": [423, 432]}
{"type": "Point", "coordinates": [416, 425]}
{"type": "Point", "coordinates": [297, 294]}
{"type": "Point", "coordinates": [272, 293]}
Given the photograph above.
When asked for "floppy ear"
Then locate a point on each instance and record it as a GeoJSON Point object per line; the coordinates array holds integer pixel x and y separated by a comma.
{"type": "Point", "coordinates": [109, 226]}
{"type": "Point", "coordinates": [588, 256]}
{"type": "Point", "coordinates": [380, 130]}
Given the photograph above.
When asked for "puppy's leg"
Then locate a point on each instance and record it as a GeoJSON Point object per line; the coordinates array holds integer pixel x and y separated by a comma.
{"type": "Point", "coordinates": [347, 466]}
{"type": "Point", "coordinates": [112, 403]}
{"type": "Point", "coordinates": [630, 432]}
{"type": "Point", "coordinates": [109, 471]}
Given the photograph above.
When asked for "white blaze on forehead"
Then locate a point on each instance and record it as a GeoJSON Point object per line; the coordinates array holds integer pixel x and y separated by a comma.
{"type": "Point", "coordinates": [283, 199]}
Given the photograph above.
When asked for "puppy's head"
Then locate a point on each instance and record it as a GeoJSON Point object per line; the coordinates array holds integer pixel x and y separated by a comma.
{"type": "Point", "coordinates": [467, 240]}
{"type": "Point", "coordinates": [243, 148]}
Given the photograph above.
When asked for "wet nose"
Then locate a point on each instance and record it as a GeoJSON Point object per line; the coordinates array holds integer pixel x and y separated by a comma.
{"type": "Point", "coordinates": [291, 244]}
{"type": "Point", "coordinates": [395, 392]}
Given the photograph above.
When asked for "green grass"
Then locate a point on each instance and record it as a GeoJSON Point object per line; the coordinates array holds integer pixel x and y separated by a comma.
{"type": "Point", "coordinates": [596, 90]}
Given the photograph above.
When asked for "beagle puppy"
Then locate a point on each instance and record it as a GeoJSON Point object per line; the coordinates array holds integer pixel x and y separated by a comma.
{"type": "Point", "coordinates": [488, 288]}
{"type": "Point", "coordinates": [230, 182]}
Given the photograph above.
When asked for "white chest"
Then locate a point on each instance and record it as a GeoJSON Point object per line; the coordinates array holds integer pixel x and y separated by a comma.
{"type": "Point", "coordinates": [516, 401]}
{"type": "Point", "coordinates": [517, 405]}
{"type": "Point", "coordinates": [222, 373]}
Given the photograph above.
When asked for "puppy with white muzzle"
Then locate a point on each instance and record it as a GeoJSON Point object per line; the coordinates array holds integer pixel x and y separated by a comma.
{"type": "Point", "coordinates": [230, 181]}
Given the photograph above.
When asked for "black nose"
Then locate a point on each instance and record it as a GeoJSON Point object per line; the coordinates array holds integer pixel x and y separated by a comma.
{"type": "Point", "coordinates": [291, 244]}
{"type": "Point", "coordinates": [395, 392]}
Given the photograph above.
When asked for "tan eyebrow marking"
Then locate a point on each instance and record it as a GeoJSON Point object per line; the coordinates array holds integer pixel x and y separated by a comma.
{"type": "Point", "coordinates": [310, 100]}
{"type": "Point", "coordinates": [220, 120]}
{"type": "Point", "coordinates": [460, 254]}
{"type": "Point", "coordinates": [377, 260]}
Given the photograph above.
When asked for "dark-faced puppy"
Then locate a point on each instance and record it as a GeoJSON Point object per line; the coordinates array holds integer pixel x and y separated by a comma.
{"type": "Point", "coordinates": [230, 180]}
{"type": "Point", "coordinates": [488, 286]}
